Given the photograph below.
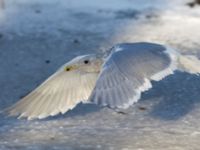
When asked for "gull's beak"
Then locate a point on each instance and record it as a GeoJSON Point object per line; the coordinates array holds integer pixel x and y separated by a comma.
{"type": "Point", "coordinates": [70, 67]}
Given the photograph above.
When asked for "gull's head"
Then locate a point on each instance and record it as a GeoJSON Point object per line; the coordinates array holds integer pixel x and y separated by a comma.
{"type": "Point", "coordinates": [86, 63]}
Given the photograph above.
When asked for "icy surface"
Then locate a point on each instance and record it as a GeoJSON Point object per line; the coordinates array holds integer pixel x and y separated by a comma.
{"type": "Point", "coordinates": [36, 37]}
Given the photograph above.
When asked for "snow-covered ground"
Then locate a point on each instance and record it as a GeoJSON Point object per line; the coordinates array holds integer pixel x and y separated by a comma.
{"type": "Point", "coordinates": [36, 37]}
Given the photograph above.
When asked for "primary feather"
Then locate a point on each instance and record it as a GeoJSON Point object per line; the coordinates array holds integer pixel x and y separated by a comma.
{"type": "Point", "coordinates": [129, 70]}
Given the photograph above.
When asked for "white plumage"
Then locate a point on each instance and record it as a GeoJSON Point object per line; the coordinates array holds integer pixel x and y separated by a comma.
{"type": "Point", "coordinates": [116, 82]}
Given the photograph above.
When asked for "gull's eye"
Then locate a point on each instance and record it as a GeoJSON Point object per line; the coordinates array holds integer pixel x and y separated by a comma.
{"type": "Point", "coordinates": [68, 68]}
{"type": "Point", "coordinates": [86, 61]}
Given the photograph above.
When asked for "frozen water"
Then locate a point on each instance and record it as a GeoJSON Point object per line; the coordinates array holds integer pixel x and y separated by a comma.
{"type": "Point", "coordinates": [36, 37]}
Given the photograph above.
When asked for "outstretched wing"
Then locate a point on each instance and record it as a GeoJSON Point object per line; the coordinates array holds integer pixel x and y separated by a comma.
{"type": "Point", "coordinates": [58, 94]}
{"type": "Point", "coordinates": [128, 71]}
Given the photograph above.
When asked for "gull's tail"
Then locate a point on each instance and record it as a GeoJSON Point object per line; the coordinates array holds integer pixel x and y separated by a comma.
{"type": "Point", "coordinates": [189, 63]}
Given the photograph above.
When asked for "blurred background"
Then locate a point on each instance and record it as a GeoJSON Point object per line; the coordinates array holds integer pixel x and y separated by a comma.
{"type": "Point", "coordinates": [37, 37]}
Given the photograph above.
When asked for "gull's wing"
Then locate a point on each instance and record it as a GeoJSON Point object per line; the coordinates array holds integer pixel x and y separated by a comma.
{"type": "Point", "coordinates": [128, 70]}
{"type": "Point", "coordinates": [58, 94]}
